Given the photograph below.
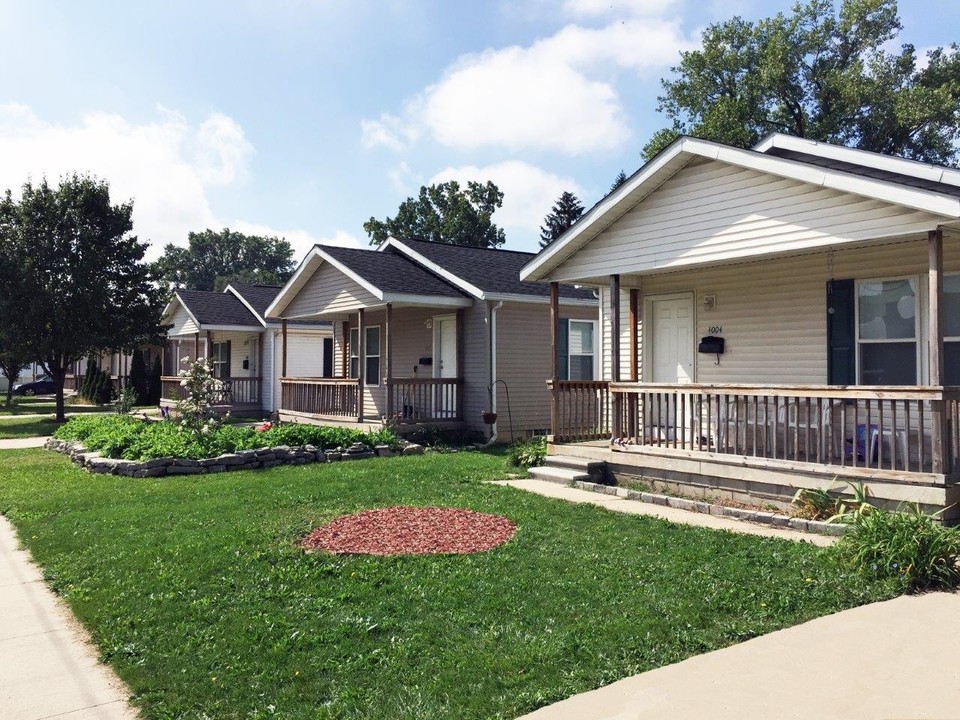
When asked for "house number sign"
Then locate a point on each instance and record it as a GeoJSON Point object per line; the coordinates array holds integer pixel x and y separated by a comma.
{"type": "Point", "coordinates": [715, 329]}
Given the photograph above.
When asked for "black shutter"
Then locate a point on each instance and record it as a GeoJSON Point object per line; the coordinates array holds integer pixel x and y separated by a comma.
{"type": "Point", "coordinates": [563, 350]}
{"type": "Point", "coordinates": [841, 333]}
{"type": "Point", "coordinates": [327, 357]}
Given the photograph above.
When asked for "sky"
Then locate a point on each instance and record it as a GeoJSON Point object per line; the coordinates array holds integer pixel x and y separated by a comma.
{"type": "Point", "coordinates": [304, 118]}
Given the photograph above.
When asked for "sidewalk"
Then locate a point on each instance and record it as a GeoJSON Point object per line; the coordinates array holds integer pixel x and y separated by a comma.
{"type": "Point", "coordinates": [895, 659]}
{"type": "Point", "coordinates": [48, 669]}
{"type": "Point", "coordinates": [682, 517]}
{"type": "Point", "coordinates": [23, 443]}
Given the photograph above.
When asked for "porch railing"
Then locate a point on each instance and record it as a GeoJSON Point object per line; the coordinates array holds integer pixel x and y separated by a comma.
{"type": "Point", "coordinates": [334, 397]}
{"type": "Point", "coordinates": [902, 429]}
{"type": "Point", "coordinates": [582, 410]}
{"type": "Point", "coordinates": [411, 400]}
{"type": "Point", "coordinates": [228, 391]}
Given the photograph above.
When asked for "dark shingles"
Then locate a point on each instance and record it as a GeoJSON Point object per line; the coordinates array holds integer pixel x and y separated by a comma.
{"type": "Point", "coordinates": [392, 273]}
{"type": "Point", "coordinates": [258, 297]}
{"type": "Point", "coordinates": [214, 308]}
{"type": "Point", "coordinates": [493, 271]}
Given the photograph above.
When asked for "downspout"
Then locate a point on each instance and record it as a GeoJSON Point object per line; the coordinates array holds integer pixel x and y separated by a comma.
{"type": "Point", "coordinates": [493, 369]}
{"type": "Point", "coordinates": [274, 405]}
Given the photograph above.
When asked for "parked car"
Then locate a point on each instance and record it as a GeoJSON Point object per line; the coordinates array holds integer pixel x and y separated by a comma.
{"type": "Point", "coordinates": [40, 386]}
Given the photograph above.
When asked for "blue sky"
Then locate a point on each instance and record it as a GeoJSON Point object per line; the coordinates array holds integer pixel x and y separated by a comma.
{"type": "Point", "coordinates": [305, 117]}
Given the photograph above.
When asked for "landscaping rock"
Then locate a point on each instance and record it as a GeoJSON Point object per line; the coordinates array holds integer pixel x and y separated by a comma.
{"type": "Point", "coordinates": [799, 524]}
{"type": "Point", "coordinates": [101, 466]}
{"type": "Point", "coordinates": [156, 471]}
{"type": "Point", "coordinates": [333, 456]}
{"type": "Point", "coordinates": [186, 462]}
{"type": "Point", "coordinates": [229, 459]}
{"type": "Point", "coordinates": [357, 455]}
{"type": "Point", "coordinates": [216, 468]}
{"type": "Point", "coordinates": [413, 449]}
{"type": "Point", "coordinates": [266, 457]}
{"type": "Point", "coordinates": [321, 456]}
{"type": "Point", "coordinates": [185, 470]}
{"type": "Point", "coordinates": [246, 455]}
{"type": "Point", "coordinates": [384, 451]}
{"type": "Point", "coordinates": [270, 463]}
{"type": "Point", "coordinates": [158, 462]}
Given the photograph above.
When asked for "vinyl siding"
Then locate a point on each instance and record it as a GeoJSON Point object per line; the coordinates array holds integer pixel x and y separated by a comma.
{"type": "Point", "coordinates": [328, 289]}
{"type": "Point", "coordinates": [182, 323]}
{"type": "Point", "coordinates": [710, 212]}
{"type": "Point", "coordinates": [476, 364]}
{"type": "Point", "coordinates": [523, 362]}
{"type": "Point", "coordinates": [773, 312]}
{"type": "Point", "coordinates": [606, 334]}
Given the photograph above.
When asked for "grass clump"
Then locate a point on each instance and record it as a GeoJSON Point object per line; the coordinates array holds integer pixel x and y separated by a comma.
{"type": "Point", "coordinates": [529, 453]}
{"type": "Point", "coordinates": [907, 547]}
{"type": "Point", "coordinates": [135, 439]}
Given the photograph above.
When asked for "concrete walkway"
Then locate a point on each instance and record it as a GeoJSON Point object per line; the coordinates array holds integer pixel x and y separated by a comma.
{"type": "Point", "coordinates": [896, 659]}
{"type": "Point", "coordinates": [23, 443]}
{"type": "Point", "coordinates": [48, 669]}
{"type": "Point", "coordinates": [683, 517]}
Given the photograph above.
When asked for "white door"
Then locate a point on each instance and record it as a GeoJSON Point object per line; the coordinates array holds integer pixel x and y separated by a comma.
{"type": "Point", "coordinates": [672, 355]}
{"type": "Point", "coordinates": [445, 364]}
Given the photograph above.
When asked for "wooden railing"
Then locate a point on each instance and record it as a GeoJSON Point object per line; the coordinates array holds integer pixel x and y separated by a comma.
{"type": "Point", "coordinates": [228, 391]}
{"type": "Point", "coordinates": [581, 410]}
{"type": "Point", "coordinates": [334, 397]}
{"type": "Point", "coordinates": [901, 429]}
{"type": "Point", "coordinates": [411, 400]}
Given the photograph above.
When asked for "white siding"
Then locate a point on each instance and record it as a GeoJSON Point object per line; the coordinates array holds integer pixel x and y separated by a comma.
{"type": "Point", "coordinates": [606, 333]}
{"type": "Point", "coordinates": [710, 212]}
{"type": "Point", "coordinates": [182, 323]}
{"type": "Point", "coordinates": [328, 289]}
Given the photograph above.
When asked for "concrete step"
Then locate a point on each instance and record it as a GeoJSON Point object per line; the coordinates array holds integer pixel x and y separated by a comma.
{"type": "Point", "coordinates": [574, 463]}
{"type": "Point", "coordinates": [559, 475]}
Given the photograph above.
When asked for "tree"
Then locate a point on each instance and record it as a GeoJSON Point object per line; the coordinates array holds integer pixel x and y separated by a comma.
{"type": "Point", "coordinates": [565, 212]}
{"type": "Point", "coordinates": [68, 258]}
{"type": "Point", "coordinates": [445, 214]}
{"type": "Point", "coordinates": [156, 382]}
{"type": "Point", "coordinates": [820, 74]}
{"type": "Point", "coordinates": [138, 379]}
{"type": "Point", "coordinates": [619, 180]}
{"type": "Point", "coordinates": [213, 259]}
{"type": "Point", "coordinates": [13, 357]}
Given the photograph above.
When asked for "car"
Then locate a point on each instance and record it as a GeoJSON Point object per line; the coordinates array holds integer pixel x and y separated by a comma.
{"type": "Point", "coordinates": [40, 386]}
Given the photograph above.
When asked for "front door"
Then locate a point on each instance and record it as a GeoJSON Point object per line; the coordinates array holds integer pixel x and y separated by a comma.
{"type": "Point", "coordinates": [671, 358]}
{"type": "Point", "coordinates": [445, 364]}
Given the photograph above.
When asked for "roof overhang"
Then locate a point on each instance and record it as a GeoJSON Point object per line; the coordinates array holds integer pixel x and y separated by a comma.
{"type": "Point", "coordinates": [456, 280]}
{"type": "Point", "coordinates": [684, 150]}
{"type": "Point", "coordinates": [236, 293]}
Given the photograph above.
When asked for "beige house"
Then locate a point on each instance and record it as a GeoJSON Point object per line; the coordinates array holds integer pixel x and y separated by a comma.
{"type": "Point", "coordinates": [244, 347]}
{"type": "Point", "coordinates": [425, 333]}
{"type": "Point", "coordinates": [774, 318]}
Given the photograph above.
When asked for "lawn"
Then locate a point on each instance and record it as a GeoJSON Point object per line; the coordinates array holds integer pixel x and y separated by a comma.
{"type": "Point", "coordinates": [42, 406]}
{"type": "Point", "coordinates": [27, 427]}
{"type": "Point", "coordinates": [197, 595]}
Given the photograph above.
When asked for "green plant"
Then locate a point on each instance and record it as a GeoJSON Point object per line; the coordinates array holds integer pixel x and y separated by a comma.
{"type": "Point", "coordinates": [814, 503]}
{"type": "Point", "coordinates": [139, 381]}
{"type": "Point", "coordinates": [529, 453]}
{"type": "Point", "coordinates": [908, 546]}
{"type": "Point", "coordinates": [195, 404]}
{"type": "Point", "coordinates": [97, 386]}
{"type": "Point", "coordinates": [125, 401]}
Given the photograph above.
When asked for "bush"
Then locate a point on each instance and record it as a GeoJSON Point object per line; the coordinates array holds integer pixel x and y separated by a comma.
{"type": "Point", "coordinates": [529, 453]}
{"type": "Point", "coordinates": [138, 381]}
{"type": "Point", "coordinates": [908, 547]}
{"type": "Point", "coordinates": [155, 382]}
{"type": "Point", "coordinates": [97, 386]}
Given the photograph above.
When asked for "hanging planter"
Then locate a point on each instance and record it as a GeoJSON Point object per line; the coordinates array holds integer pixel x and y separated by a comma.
{"type": "Point", "coordinates": [489, 418]}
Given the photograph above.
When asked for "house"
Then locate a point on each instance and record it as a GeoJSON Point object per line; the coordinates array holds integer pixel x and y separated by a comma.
{"type": "Point", "coordinates": [231, 330]}
{"type": "Point", "coordinates": [425, 333]}
{"type": "Point", "coordinates": [775, 318]}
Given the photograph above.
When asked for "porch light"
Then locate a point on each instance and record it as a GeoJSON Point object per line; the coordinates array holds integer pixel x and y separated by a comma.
{"type": "Point", "coordinates": [709, 302]}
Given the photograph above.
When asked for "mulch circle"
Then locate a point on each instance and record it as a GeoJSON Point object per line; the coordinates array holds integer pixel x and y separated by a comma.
{"type": "Point", "coordinates": [412, 531]}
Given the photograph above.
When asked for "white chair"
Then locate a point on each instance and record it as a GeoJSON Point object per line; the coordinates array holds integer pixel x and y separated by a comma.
{"type": "Point", "coordinates": [795, 421]}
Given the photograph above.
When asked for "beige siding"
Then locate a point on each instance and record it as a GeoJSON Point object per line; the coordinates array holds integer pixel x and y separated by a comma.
{"type": "Point", "coordinates": [711, 212]}
{"type": "Point", "coordinates": [243, 346]}
{"type": "Point", "coordinates": [606, 333]}
{"type": "Point", "coordinates": [773, 312]}
{"type": "Point", "coordinates": [523, 362]}
{"type": "Point", "coordinates": [182, 323]}
{"type": "Point", "coordinates": [476, 364]}
{"type": "Point", "coordinates": [328, 290]}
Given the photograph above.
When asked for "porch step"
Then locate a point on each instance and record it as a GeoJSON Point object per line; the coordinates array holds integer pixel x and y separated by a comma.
{"type": "Point", "coordinates": [559, 475]}
{"type": "Point", "coordinates": [565, 469]}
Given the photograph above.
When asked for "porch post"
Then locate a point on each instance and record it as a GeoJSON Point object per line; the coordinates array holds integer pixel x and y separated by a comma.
{"type": "Point", "coordinates": [460, 359]}
{"type": "Point", "coordinates": [196, 346]}
{"type": "Point", "coordinates": [345, 349]}
{"type": "Point", "coordinates": [634, 361]}
{"type": "Point", "coordinates": [939, 443]}
{"type": "Point", "coordinates": [361, 363]}
{"type": "Point", "coordinates": [615, 352]}
{"type": "Point", "coordinates": [283, 349]}
{"type": "Point", "coordinates": [209, 346]}
{"type": "Point", "coordinates": [554, 378]}
{"type": "Point", "coordinates": [388, 347]}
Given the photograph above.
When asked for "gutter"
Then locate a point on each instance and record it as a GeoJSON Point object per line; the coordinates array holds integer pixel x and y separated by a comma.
{"type": "Point", "coordinates": [493, 368]}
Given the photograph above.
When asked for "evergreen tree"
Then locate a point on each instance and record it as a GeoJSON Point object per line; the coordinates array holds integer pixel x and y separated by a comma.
{"type": "Point", "coordinates": [566, 211]}
{"type": "Point", "coordinates": [138, 379]}
{"type": "Point", "coordinates": [618, 181]}
{"type": "Point", "coordinates": [156, 384]}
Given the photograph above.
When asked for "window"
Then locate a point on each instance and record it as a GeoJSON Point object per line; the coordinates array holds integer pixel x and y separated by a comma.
{"type": "Point", "coordinates": [950, 311]}
{"type": "Point", "coordinates": [887, 331]}
{"type": "Point", "coordinates": [575, 350]}
{"type": "Point", "coordinates": [372, 361]}
{"type": "Point", "coordinates": [220, 359]}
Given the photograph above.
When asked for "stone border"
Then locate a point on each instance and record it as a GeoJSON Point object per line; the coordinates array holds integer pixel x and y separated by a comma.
{"type": "Point", "coordinates": [700, 506]}
{"type": "Point", "coordinates": [260, 459]}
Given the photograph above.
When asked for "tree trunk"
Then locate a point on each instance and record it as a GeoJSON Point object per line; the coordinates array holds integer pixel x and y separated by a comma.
{"type": "Point", "coordinates": [59, 376]}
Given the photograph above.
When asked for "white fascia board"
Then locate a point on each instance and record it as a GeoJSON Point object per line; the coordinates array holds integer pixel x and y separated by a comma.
{"type": "Point", "coordinates": [877, 161]}
{"type": "Point", "coordinates": [412, 254]}
{"type": "Point", "coordinates": [186, 309]}
{"type": "Point", "coordinates": [231, 289]}
{"type": "Point", "coordinates": [233, 328]}
{"type": "Point", "coordinates": [426, 300]}
{"type": "Point", "coordinates": [541, 300]}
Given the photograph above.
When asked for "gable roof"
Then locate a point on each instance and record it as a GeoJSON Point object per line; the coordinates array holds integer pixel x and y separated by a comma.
{"type": "Point", "coordinates": [392, 273]}
{"type": "Point", "coordinates": [257, 297]}
{"type": "Point", "coordinates": [216, 309]}
{"type": "Point", "coordinates": [941, 200]}
{"type": "Point", "coordinates": [482, 272]}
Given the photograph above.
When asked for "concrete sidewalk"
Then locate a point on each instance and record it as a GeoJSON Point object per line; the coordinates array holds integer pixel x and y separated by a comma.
{"type": "Point", "coordinates": [48, 668]}
{"type": "Point", "coordinates": [23, 443]}
{"type": "Point", "coordinates": [896, 659]}
{"type": "Point", "coordinates": [683, 517]}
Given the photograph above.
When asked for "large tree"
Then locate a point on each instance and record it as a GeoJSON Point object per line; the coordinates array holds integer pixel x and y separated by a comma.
{"type": "Point", "coordinates": [14, 355]}
{"type": "Point", "coordinates": [445, 213]}
{"type": "Point", "coordinates": [817, 73]}
{"type": "Point", "coordinates": [565, 212]}
{"type": "Point", "coordinates": [215, 258]}
{"type": "Point", "coordinates": [69, 262]}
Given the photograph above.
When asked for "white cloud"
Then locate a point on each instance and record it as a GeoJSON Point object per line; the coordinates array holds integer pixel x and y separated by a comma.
{"type": "Point", "coordinates": [300, 239]}
{"type": "Point", "coordinates": [222, 150]}
{"type": "Point", "coordinates": [404, 180]}
{"type": "Point", "coordinates": [556, 94]}
{"type": "Point", "coordinates": [528, 191]}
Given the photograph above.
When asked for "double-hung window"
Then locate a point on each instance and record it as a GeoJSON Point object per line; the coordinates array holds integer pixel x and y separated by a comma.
{"type": "Point", "coordinates": [950, 306]}
{"type": "Point", "coordinates": [576, 350]}
{"type": "Point", "coordinates": [372, 354]}
{"type": "Point", "coordinates": [220, 359]}
{"type": "Point", "coordinates": [888, 331]}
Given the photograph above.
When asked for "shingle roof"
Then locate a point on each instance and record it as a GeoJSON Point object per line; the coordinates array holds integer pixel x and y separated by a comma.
{"type": "Point", "coordinates": [493, 271]}
{"type": "Point", "coordinates": [214, 308]}
{"type": "Point", "coordinates": [259, 296]}
{"type": "Point", "coordinates": [392, 273]}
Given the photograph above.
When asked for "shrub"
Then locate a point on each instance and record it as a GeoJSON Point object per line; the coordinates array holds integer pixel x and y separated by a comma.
{"type": "Point", "coordinates": [155, 382]}
{"type": "Point", "coordinates": [529, 453]}
{"type": "Point", "coordinates": [195, 404]}
{"type": "Point", "coordinates": [97, 386]}
{"type": "Point", "coordinates": [909, 547]}
{"type": "Point", "coordinates": [138, 381]}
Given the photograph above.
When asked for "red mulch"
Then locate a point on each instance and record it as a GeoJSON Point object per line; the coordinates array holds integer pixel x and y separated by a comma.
{"type": "Point", "coordinates": [412, 531]}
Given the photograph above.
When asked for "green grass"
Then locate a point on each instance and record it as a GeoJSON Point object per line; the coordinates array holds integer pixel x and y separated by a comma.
{"type": "Point", "coordinates": [27, 427]}
{"type": "Point", "coordinates": [30, 406]}
{"type": "Point", "coordinates": [195, 592]}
